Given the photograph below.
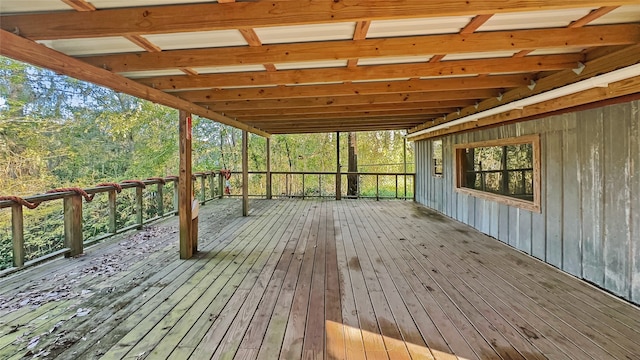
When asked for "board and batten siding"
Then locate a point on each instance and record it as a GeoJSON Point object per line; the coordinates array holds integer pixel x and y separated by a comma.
{"type": "Point", "coordinates": [589, 225]}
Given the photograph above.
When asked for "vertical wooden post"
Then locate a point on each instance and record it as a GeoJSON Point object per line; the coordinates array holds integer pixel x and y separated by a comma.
{"type": "Point", "coordinates": [176, 191]}
{"type": "Point", "coordinates": [220, 185]}
{"type": "Point", "coordinates": [320, 185]}
{"type": "Point", "coordinates": [203, 189]}
{"type": "Point", "coordinates": [185, 184]}
{"type": "Point", "coordinates": [73, 225]}
{"type": "Point", "coordinates": [212, 188]}
{"type": "Point", "coordinates": [139, 217]}
{"type": "Point", "coordinates": [113, 226]}
{"type": "Point", "coordinates": [17, 234]}
{"type": "Point", "coordinates": [338, 175]}
{"type": "Point", "coordinates": [377, 188]}
{"type": "Point", "coordinates": [160, 199]}
{"type": "Point", "coordinates": [303, 186]}
{"type": "Point", "coordinates": [269, 194]}
{"type": "Point", "coordinates": [404, 156]}
{"type": "Point", "coordinates": [245, 173]}
{"type": "Point", "coordinates": [397, 186]}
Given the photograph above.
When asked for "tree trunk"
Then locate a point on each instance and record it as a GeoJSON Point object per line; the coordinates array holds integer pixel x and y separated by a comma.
{"type": "Point", "coordinates": [352, 179]}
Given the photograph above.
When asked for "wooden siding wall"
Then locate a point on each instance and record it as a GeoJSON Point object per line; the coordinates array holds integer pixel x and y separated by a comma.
{"type": "Point", "coordinates": [590, 220]}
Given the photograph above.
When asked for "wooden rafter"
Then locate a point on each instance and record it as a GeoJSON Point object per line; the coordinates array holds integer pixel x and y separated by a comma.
{"type": "Point", "coordinates": [411, 86]}
{"type": "Point", "coordinates": [200, 17]}
{"type": "Point", "coordinates": [449, 68]}
{"type": "Point", "coordinates": [241, 113]}
{"type": "Point", "coordinates": [343, 50]}
{"type": "Point", "coordinates": [593, 15]}
{"type": "Point", "coordinates": [21, 49]}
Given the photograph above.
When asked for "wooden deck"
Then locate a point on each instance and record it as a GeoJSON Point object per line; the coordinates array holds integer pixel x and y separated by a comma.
{"type": "Point", "coordinates": [312, 279]}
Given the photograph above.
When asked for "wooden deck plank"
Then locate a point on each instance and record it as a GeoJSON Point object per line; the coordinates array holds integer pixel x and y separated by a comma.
{"type": "Point", "coordinates": [353, 279]}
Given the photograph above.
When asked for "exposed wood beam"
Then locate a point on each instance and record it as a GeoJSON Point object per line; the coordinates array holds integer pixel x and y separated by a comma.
{"type": "Point", "coordinates": [362, 27]}
{"type": "Point", "coordinates": [411, 86]}
{"type": "Point", "coordinates": [251, 37]}
{"type": "Point", "coordinates": [438, 99]}
{"type": "Point", "coordinates": [200, 17]}
{"type": "Point", "coordinates": [185, 187]}
{"type": "Point", "coordinates": [349, 49]}
{"type": "Point", "coordinates": [348, 115]}
{"type": "Point", "coordinates": [475, 23]}
{"type": "Point", "coordinates": [595, 14]}
{"type": "Point", "coordinates": [614, 90]}
{"type": "Point", "coordinates": [257, 111]}
{"type": "Point", "coordinates": [625, 57]}
{"type": "Point", "coordinates": [21, 49]}
{"type": "Point", "coordinates": [143, 43]}
{"type": "Point", "coordinates": [367, 73]}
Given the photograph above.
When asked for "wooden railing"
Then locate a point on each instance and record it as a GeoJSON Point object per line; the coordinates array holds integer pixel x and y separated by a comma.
{"type": "Point", "coordinates": [157, 199]}
{"type": "Point", "coordinates": [314, 184]}
{"type": "Point", "coordinates": [79, 223]}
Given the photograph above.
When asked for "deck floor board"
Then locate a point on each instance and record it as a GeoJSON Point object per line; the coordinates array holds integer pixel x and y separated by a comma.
{"type": "Point", "coordinates": [310, 279]}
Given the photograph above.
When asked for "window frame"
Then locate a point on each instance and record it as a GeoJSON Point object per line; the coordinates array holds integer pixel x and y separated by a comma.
{"type": "Point", "coordinates": [534, 140]}
{"type": "Point", "coordinates": [433, 159]}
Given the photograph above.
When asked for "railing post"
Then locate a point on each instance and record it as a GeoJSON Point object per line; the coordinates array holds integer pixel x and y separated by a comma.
{"type": "Point", "coordinates": [338, 175]}
{"type": "Point", "coordinates": [203, 189]}
{"type": "Point", "coordinates": [73, 225]}
{"type": "Point", "coordinates": [17, 234]}
{"type": "Point", "coordinates": [139, 218]}
{"type": "Point", "coordinates": [302, 186]}
{"type": "Point", "coordinates": [112, 212]}
{"type": "Point", "coordinates": [320, 185]}
{"type": "Point", "coordinates": [160, 198]}
{"type": "Point", "coordinates": [413, 177]}
{"type": "Point", "coordinates": [212, 188]}
{"type": "Point", "coordinates": [377, 188]}
{"type": "Point", "coordinates": [269, 193]}
{"type": "Point", "coordinates": [220, 186]}
{"type": "Point", "coordinates": [175, 196]}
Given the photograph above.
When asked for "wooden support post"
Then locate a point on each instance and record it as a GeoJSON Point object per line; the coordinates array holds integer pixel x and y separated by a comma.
{"type": "Point", "coordinates": [320, 185]}
{"type": "Point", "coordinates": [212, 188]}
{"type": "Point", "coordinates": [17, 234]}
{"type": "Point", "coordinates": [220, 185]}
{"type": "Point", "coordinates": [185, 189]}
{"type": "Point", "coordinates": [377, 187]}
{"type": "Point", "coordinates": [397, 186]}
{"type": "Point", "coordinates": [203, 189]}
{"type": "Point", "coordinates": [160, 199]}
{"type": "Point", "coordinates": [139, 208]}
{"type": "Point", "coordinates": [112, 212]}
{"type": "Point", "coordinates": [73, 225]}
{"type": "Point", "coordinates": [302, 186]}
{"type": "Point", "coordinates": [404, 156]}
{"type": "Point", "coordinates": [269, 194]}
{"type": "Point", "coordinates": [245, 173]}
{"type": "Point", "coordinates": [176, 192]}
{"type": "Point", "coordinates": [338, 175]}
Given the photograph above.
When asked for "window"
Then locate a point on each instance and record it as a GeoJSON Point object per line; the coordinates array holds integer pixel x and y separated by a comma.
{"type": "Point", "coordinates": [436, 155]}
{"type": "Point", "coordinates": [506, 171]}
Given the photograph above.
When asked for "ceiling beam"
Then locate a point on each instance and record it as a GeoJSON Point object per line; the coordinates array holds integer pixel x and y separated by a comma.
{"type": "Point", "coordinates": [593, 36]}
{"type": "Point", "coordinates": [619, 59]}
{"type": "Point", "coordinates": [439, 99]}
{"type": "Point", "coordinates": [214, 16]}
{"type": "Point", "coordinates": [366, 73]}
{"type": "Point", "coordinates": [21, 49]}
{"type": "Point", "coordinates": [382, 87]}
{"type": "Point", "coordinates": [425, 113]}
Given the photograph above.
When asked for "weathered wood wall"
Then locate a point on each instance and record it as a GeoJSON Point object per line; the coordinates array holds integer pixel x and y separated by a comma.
{"type": "Point", "coordinates": [590, 220]}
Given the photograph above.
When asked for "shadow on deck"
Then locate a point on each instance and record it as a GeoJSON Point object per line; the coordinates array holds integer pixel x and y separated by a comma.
{"type": "Point", "coordinates": [314, 279]}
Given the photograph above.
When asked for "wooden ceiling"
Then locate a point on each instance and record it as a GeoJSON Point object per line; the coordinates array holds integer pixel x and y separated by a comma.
{"type": "Point", "coordinates": [303, 66]}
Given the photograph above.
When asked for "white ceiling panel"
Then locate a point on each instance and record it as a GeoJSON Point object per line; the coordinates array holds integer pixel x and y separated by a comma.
{"type": "Point", "coordinates": [409, 27]}
{"type": "Point", "coordinates": [390, 60]}
{"type": "Point", "coordinates": [305, 33]}
{"type": "Point", "coordinates": [533, 19]}
{"type": "Point", "coordinates": [199, 39]}
{"type": "Point", "coordinates": [248, 86]}
{"type": "Point", "coordinates": [26, 6]}
{"type": "Point", "coordinates": [479, 55]}
{"type": "Point", "coordinates": [311, 65]}
{"type": "Point", "coordinates": [228, 69]}
{"type": "Point", "coordinates": [623, 14]}
{"type": "Point", "coordinates": [316, 83]}
{"type": "Point", "coordinates": [448, 76]}
{"type": "Point", "coordinates": [380, 80]}
{"type": "Point", "coordinates": [93, 46]}
{"type": "Point", "coordinates": [144, 74]}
